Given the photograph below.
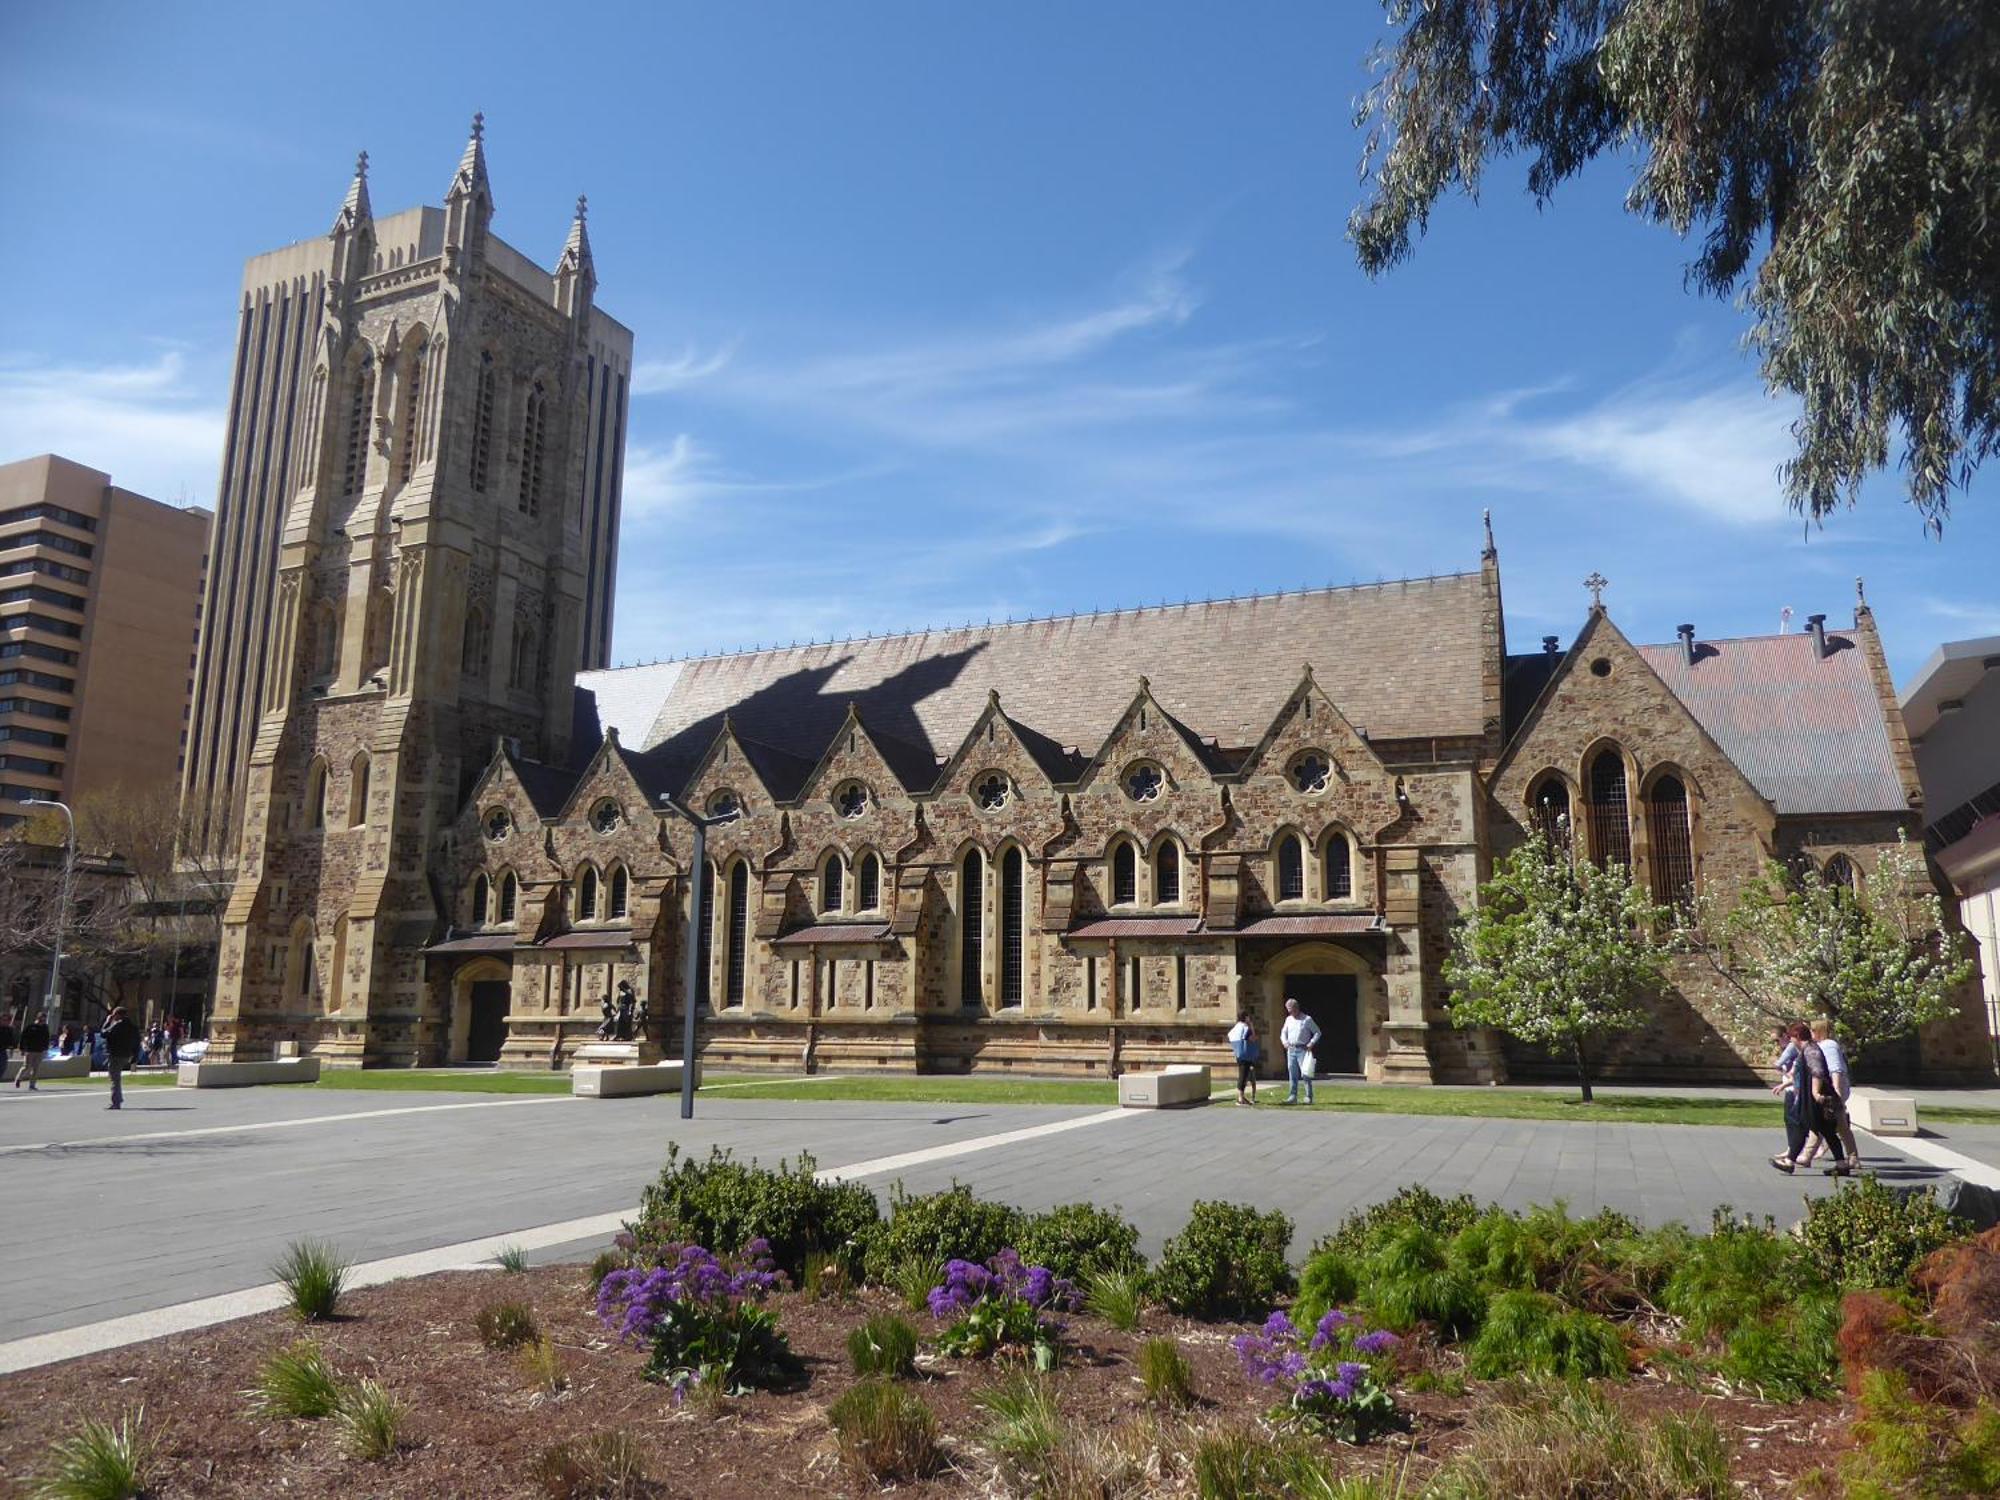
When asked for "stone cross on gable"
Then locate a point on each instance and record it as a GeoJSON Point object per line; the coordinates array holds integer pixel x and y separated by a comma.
{"type": "Point", "coordinates": [1596, 583]}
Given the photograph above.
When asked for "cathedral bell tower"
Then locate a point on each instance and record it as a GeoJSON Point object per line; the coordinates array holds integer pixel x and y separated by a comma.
{"type": "Point", "coordinates": [445, 525]}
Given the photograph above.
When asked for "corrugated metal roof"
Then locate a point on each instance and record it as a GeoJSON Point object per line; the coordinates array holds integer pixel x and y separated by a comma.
{"type": "Point", "coordinates": [1806, 730]}
{"type": "Point", "coordinates": [484, 942]}
{"type": "Point", "coordinates": [1402, 660]}
{"type": "Point", "coordinates": [1135, 927]}
{"type": "Point", "coordinates": [1328, 924]}
{"type": "Point", "coordinates": [823, 933]}
{"type": "Point", "coordinates": [597, 937]}
{"type": "Point", "coordinates": [1295, 924]}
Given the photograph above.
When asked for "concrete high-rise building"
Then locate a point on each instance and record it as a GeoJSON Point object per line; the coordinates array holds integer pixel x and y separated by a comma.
{"type": "Point", "coordinates": [100, 601]}
{"type": "Point", "coordinates": [374, 317]}
{"type": "Point", "coordinates": [413, 557]}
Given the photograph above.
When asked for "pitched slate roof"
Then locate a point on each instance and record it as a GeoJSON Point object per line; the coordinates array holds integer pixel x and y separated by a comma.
{"type": "Point", "coordinates": [1807, 731]}
{"type": "Point", "coordinates": [1402, 660]}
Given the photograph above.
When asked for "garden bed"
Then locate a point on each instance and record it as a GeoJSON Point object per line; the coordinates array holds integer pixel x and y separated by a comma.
{"type": "Point", "coordinates": [478, 1420]}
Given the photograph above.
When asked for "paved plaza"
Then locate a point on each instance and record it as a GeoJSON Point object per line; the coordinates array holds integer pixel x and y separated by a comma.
{"type": "Point", "coordinates": [186, 1195]}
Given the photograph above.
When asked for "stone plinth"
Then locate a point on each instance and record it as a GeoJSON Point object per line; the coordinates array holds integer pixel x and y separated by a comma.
{"type": "Point", "coordinates": [599, 1081]}
{"type": "Point", "coordinates": [237, 1075]}
{"type": "Point", "coordinates": [76, 1065]}
{"type": "Point", "coordinates": [1176, 1087]}
{"type": "Point", "coordinates": [1883, 1114]}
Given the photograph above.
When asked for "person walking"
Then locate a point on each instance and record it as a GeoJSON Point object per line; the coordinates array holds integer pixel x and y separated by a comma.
{"type": "Point", "coordinates": [1248, 1051]}
{"type": "Point", "coordinates": [1299, 1035]}
{"type": "Point", "coordinates": [34, 1045]}
{"type": "Point", "coordinates": [7, 1040]}
{"type": "Point", "coordinates": [121, 1046]}
{"type": "Point", "coordinates": [1818, 1109]}
{"type": "Point", "coordinates": [1836, 1064]}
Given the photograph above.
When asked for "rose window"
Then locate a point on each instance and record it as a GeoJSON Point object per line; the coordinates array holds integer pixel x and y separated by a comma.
{"type": "Point", "coordinates": [852, 800]}
{"type": "Point", "coordinates": [498, 824]}
{"type": "Point", "coordinates": [991, 792]}
{"type": "Point", "coordinates": [1310, 772]}
{"type": "Point", "coordinates": [723, 805]}
{"type": "Point", "coordinates": [605, 816]}
{"type": "Point", "coordinates": [1143, 783]}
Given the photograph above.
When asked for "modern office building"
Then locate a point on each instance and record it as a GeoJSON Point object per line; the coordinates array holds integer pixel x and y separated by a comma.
{"type": "Point", "coordinates": [100, 602]}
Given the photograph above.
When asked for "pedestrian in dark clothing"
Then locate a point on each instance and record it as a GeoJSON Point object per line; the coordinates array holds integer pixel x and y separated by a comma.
{"type": "Point", "coordinates": [34, 1045]}
{"type": "Point", "coordinates": [7, 1040]}
{"type": "Point", "coordinates": [1814, 1106]}
{"type": "Point", "coordinates": [121, 1046]}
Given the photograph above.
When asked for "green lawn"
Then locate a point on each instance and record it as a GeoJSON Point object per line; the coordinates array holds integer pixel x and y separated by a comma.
{"type": "Point", "coordinates": [1493, 1104]}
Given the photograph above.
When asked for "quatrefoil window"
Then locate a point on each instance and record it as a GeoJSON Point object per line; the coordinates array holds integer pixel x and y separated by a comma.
{"type": "Point", "coordinates": [606, 816]}
{"type": "Point", "coordinates": [990, 792]}
{"type": "Point", "coordinates": [1310, 772]}
{"type": "Point", "coordinates": [723, 804]}
{"type": "Point", "coordinates": [498, 824]}
{"type": "Point", "coordinates": [1143, 782]}
{"type": "Point", "coordinates": [851, 800]}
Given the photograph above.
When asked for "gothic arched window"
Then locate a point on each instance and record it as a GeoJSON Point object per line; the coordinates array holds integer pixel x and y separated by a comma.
{"type": "Point", "coordinates": [526, 666]}
{"type": "Point", "coordinates": [1167, 874]}
{"type": "Point", "coordinates": [971, 924]}
{"type": "Point", "coordinates": [472, 655]}
{"type": "Point", "coordinates": [1339, 882]}
{"type": "Point", "coordinates": [1124, 875]}
{"type": "Point", "coordinates": [316, 795]}
{"type": "Point", "coordinates": [510, 896]}
{"type": "Point", "coordinates": [868, 884]}
{"type": "Point", "coordinates": [1672, 837]}
{"type": "Point", "coordinates": [357, 791]}
{"type": "Point", "coordinates": [736, 955]}
{"type": "Point", "coordinates": [413, 391]}
{"type": "Point", "coordinates": [1838, 871]}
{"type": "Point", "coordinates": [482, 422]}
{"type": "Point", "coordinates": [705, 943]}
{"type": "Point", "coordinates": [586, 895]}
{"type": "Point", "coordinates": [1550, 803]}
{"type": "Point", "coordinates": [620, 884]}
{"type": "Point", "coordinates": [534, 433]}
{"type": "Point", "coordinates": [354, 472]}
{"type": "Point", "coordinates": [1291, 868]}
{"type": "Point", "coordinates": [1610, 818]}
{"type": "Point", "coordinates": [832, 883]}
{"type": "Point", "coordinates": [1013, 927]}
{"type": "Point", "coordinates": [480, 892]}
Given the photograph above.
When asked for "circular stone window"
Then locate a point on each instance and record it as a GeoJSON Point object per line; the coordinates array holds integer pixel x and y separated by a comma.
{"type": "Point", "coordinates": [851, 801]}
{"type": "Point", "coordinates": [1144, 781]}
{"type": "Point", "coordinates": [724, 804]}
{"type": "Point", "coordinates": [606, 816]}
{"type": "Point", "coordinates": [1311, 771]}
{"type": "Point", "coordinates": [991, 791]}
{"type": "Point", "coordinates": [1601, 667]}
{"type": "Point", "coordinates": [498, 825]}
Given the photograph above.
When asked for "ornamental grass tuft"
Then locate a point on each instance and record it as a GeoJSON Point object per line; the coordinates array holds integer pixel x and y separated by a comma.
{"type": "Point", "coordinates": [511, 1259]}
{"type": "Point", "coordinates": [1118, 1297]}
{"type": "Point", "coordinates": [297, 1382]}
{"type": "Point", "coordinates": [506, 1325]}
{"type": "Point", "coordinates": [371, 1422]}
{"type": "Point", "coordinates": [313, 1275]}
{"type": "Point", "coordinates": [1165, 1373]}
{"type": "Point", "coordinates": [1023, 1424]}
{"type": "Point", "coordinates": [544, 1363]}
{"type": "Point", "coordinates": [100, 1462]}
{"type": "Point", "coordinates": [886, 1432]}
{"type": "Point", "coordinates": [885, 1345]}
{"type": "Point", "coordinates": [603, 1466]}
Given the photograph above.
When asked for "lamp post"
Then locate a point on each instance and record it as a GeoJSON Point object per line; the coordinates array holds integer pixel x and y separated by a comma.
{"type": "Point", "coordinates": [54, 1003]}
{"type": "Point", "coordinates": [691, 958]}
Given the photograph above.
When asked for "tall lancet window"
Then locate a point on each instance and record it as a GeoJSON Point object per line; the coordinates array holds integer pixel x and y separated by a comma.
{"type": "Point", "coordinates": [534, 432]}
{"type": "Point", "coordinates": [1610, 817]}
{"type": "Point", "coordinates": [355, 471]}
{"type": "Point", "coordinates": [482, 422]}
{"type": "Point", "coordinates": [413, 395]}
{"type": "Point", "coordinates": [1013, 927]}
{"type": "Point", "coordinates": [971, 930]}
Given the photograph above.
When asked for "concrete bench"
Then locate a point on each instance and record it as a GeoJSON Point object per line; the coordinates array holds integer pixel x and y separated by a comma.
{"type": "Point", "coordinates": [1176, 1087]}
{"type": "Point", "coordinates": [597, 1081]}
{"type": "Point", "coordinates": [1883, 1114]}
{"type": "Point", "coordinates": [76, 1065]}
{"type": "Point", "coordinates": [238, 1075]}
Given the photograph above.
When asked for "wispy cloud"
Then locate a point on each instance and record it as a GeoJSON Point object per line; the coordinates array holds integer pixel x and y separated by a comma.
{"type": "Point", "coordinates": [651, 377]}
{"type": "Point", "coordinates": [145, 424]}
{"type": "Point", "coordinates": [1981, 618]}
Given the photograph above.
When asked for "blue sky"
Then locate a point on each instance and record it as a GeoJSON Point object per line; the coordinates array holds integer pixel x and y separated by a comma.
{"type": "Point", "coordinates": [949, 313]}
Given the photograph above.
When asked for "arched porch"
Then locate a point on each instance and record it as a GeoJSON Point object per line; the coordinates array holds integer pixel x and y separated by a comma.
{"type": "Point", "coordinates": [1340, 989]}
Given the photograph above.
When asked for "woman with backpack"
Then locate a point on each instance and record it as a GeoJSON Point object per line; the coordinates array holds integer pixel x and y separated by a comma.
{"type": "Point", "coordinates": [1248, 1052]}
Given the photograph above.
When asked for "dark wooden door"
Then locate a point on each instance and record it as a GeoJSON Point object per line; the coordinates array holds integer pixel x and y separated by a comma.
{"type": "Point", "coordinates": [488, 1030]}
{"type": "Point", "coordinates": [1334, 1001]}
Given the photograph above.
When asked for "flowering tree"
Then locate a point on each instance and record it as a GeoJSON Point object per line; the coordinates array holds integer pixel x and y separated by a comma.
{"type": "Point", "coordinates": [1559, 952]}
{"type": "Point", "coordinates": [1876, 960]}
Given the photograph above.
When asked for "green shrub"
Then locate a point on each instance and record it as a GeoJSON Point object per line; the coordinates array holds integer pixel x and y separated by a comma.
{"type": "Point", "coordinates": [603, 1466]}
{"type": "Point", "coordinates": [1561, 1439]}
{"type": "Point", "coordinates": [1328, 1280]}
{"type": "Point", "coordinates": [543, 1362]}
{"type": "Point", "coordinates": [1731, 1277]}
{"type": "Point", "coordinates": [1079, 1240]}
{"type": "Point", "coordinates": [1240, 1465]}
{"type": "Point", "coordinates": [886, 1432]}
{"type": "Point", "coordinates": [723, 1204]}
{"type": "Point", "coordinates": [1543, 1250]}
{"type": "Point", "coordinates": [1792, 1355]}
{"type": "Point", "coordinates": [371, 1422]}
{"type": "Point", "coordinates": [1867, 1235]}
{"type": "Point", "coordinates": [100, 1462]}
{"type": "Point", "coordinates": [1364, 1231]}
{"type": "Point", "coordinates": [1118, 1297]}
{"type": "Point", "coordinates": [506, 1325]}
{"type": "Point", "coordinates": [1229, 1262]}
{"type": "Point", "coordinates": [1410, 1280]}
{"type": "Point", "coordinates": [1165, 1373]}
{"type": "Point", "coordinates": [1907, 1449]}
{"type": "Point", "coordinates": [937, 1227]}
{"type": "Point", "coordinates": [1532, 1333]}
{"type": "Point", "coordinates": [884, 1345]}
{"type": "Point", "coordinates": [1023, 1425]}
{"type": "Point", "coordinates": [313, 1276]}
{"type": "Point", "coordinates": [297, 1382]}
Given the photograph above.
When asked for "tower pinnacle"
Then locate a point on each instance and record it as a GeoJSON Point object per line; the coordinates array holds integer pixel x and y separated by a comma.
{"type": "Point", "coordinates": [471, 175]}
{"type": "Point", "coordinates": [355, 209]}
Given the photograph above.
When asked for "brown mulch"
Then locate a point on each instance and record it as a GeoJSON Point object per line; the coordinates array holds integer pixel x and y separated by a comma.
{"type": "Point", "coordinates": [477, 1419]}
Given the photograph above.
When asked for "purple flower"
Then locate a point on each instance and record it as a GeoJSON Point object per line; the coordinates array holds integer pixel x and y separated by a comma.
{"type": "Point", "coordinates": [1379, 1342]}
{"type": "Point", "coordinates": [1329, 1329]}
{"type": "Point", "coordinates": [1278, 1326]}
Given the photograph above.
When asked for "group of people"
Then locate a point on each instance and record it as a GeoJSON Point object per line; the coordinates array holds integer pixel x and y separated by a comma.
{"type": "Point", "coordinates": [118, 1046]}
{"type": "Point", "coordinates": [1814, 1083]}
{"type": "Point", "coordinates": [1298, 1036]}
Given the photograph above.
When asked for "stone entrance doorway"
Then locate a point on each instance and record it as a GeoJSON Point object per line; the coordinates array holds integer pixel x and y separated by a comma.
{"type": "Point", "coordinates": [1334, 1001]}
{"type": "Point", "coordinates": [486, 1031]}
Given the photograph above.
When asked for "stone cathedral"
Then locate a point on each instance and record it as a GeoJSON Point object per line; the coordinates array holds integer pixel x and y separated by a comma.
{"type": "Point", "coordinates": [1071, 845]}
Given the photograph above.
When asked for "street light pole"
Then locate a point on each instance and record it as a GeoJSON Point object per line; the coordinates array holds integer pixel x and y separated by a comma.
{"type": "Point", "coordinates": [691, 957]}
{"type": "Point", "coordinates": [54, 1002]}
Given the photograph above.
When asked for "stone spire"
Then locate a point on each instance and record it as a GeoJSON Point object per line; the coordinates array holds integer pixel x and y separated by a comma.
{"type": "Point", "coordinates": [470, 179]}
{"type": "Point", "coordinates": [576, 276]}
{"type": "Point", "coordinates": [353, 232]}
{"type": "Point", "coordinates": [468, 204]}
{"type": "Point", "coordinates": [355, 210]}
